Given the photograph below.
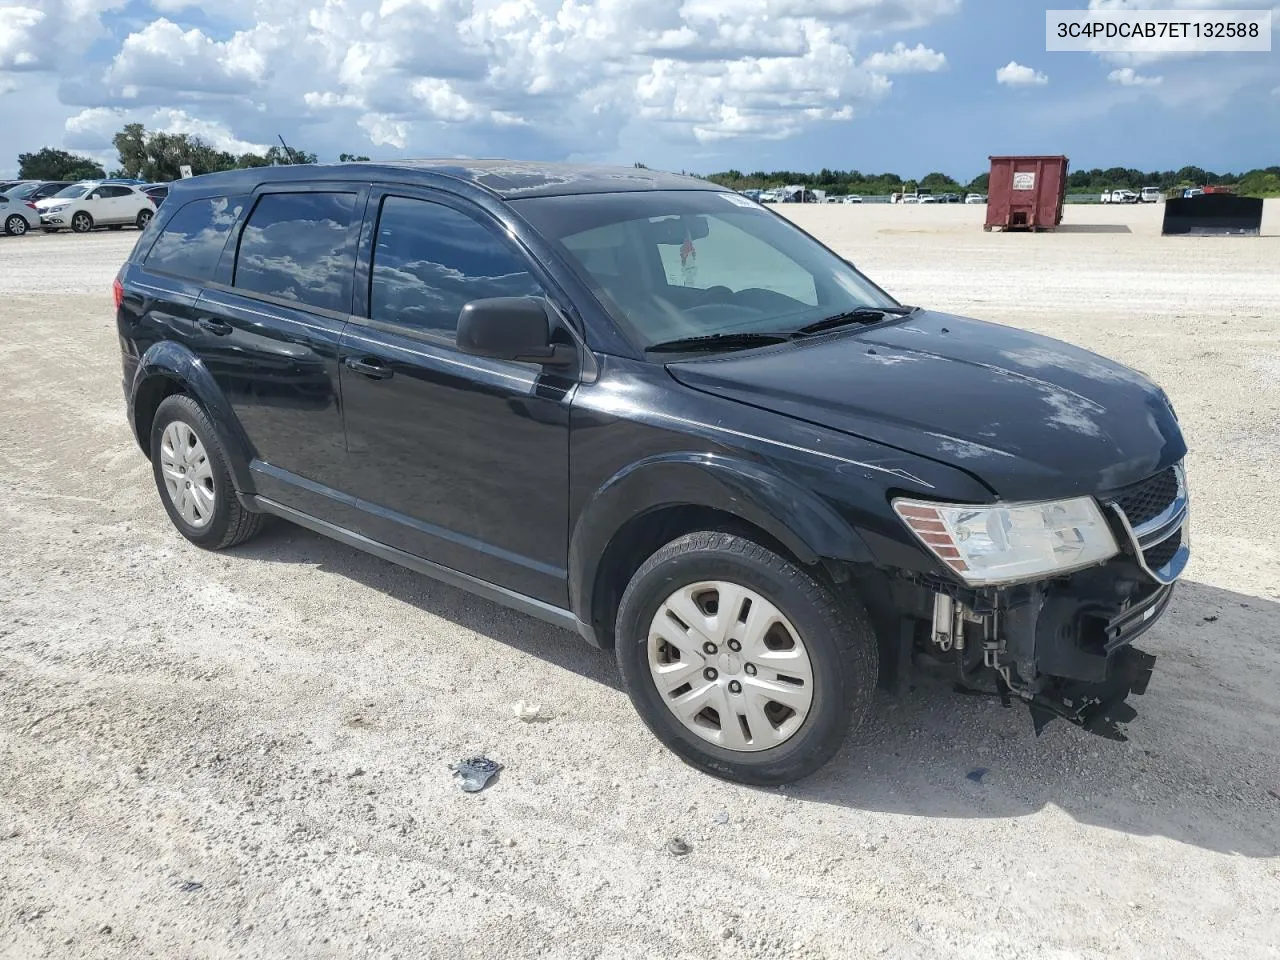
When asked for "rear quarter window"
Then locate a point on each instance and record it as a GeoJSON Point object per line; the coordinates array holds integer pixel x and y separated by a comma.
{"type": "Point", "coordinates": [192, 239]}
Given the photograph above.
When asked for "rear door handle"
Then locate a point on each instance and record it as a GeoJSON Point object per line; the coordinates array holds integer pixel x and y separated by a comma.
{"type": "Point", "coordinates": [373, 369]}
{"type": "Point", "coordinates": [219, 328]}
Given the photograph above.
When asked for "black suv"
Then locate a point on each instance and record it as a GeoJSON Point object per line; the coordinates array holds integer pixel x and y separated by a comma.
{"type": "Point", "coordinates": [652, 411]}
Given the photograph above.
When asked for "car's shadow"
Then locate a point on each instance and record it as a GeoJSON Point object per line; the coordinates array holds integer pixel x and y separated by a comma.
{"type": "Point", "coordinates": [1201, 764]}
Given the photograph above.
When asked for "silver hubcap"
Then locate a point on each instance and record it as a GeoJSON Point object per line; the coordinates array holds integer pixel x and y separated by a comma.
{"type": "Point", "coordinates": [17, 226]}
{"type": "Point", "coordinates": [188, 475]}
{"type": "Point", "coordinates": [81, 222]}
{"type": "Point", "coordinates": [730, 666]}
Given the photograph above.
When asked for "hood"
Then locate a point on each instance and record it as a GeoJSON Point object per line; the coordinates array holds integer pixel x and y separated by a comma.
{"type": "Point", "coordinates": [1029, 416]}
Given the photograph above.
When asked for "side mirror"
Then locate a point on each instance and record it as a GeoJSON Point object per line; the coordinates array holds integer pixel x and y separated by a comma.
{"type": "Point", "coordinates": [511, 328]}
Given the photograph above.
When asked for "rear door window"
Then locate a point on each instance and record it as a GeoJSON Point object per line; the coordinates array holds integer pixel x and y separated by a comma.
{"type": "Point", "coordinates": [300, 247]}
{"type": "Point", "coordinates": [192, 240]}
{"type": "Point", "coordinates": [429, 260]}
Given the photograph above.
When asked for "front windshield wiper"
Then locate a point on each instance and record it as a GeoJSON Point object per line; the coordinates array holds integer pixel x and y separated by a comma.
{"type": "Point", "coordinates": [719, 341]}
{"type": "Point", "coordinates": [857, 315]}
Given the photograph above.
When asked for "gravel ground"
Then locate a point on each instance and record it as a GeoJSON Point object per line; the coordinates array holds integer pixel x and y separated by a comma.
{"type": "Point", "coordinates": [246, 754]}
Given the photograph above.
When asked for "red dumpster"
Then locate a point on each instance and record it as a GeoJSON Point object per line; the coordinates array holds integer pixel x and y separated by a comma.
{"type": "Point", "coordinates": [1026, 193]}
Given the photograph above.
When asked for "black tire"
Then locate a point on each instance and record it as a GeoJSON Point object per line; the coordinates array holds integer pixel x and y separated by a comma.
{"type": "Point", "coordinates": [143, 218]}
{"type": "Point", "coordinates": [16, 225]}
{"type": "Point", "coordinates": [231, 523]}
{"type": "Point", "coordinates": [835, 631]}
{"type": "Point", "coordinates": [82, 222]}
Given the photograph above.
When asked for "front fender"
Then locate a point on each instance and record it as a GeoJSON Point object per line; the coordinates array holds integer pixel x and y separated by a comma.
{"type": "Point", "coordinates": [805, 524]}
{"type": "Point", "coordinates": [172, 362]}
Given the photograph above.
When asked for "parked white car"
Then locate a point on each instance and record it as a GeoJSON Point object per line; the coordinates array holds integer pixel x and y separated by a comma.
{"type": "Point", "coordinates": [1152, 195]}
{"type": "Point", "coordinates": [1119, 196]}
{"type": "Point", "coordinates": [88, 204]}
{"type": "Point", "coordinates": [853, 198]}
{"type": "Point", "coordinates": [976, 198]}
{"type": "Point", "coordinates": [17, 216]}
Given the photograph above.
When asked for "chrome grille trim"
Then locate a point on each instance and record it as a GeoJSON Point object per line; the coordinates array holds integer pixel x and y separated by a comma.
{"type": "Point", "coordinates": [1173, 519]}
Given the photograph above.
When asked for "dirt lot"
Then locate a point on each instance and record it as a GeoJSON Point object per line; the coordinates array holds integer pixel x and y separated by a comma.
{"type": "Point", "coordinates": [245, 754]}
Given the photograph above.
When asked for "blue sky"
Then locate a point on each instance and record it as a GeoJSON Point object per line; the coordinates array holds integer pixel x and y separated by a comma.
{"type": "Point", "coordinates": [908, 86]}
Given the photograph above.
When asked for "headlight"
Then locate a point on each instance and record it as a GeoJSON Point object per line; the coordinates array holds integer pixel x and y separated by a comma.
{"type": "Point", "coordinates": [1004, 544]}
{"type": "Point", "coordinates": [58, 209]}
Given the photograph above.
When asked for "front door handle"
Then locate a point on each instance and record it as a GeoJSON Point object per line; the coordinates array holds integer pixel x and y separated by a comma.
{"type": "Point", "coordinates": [219, 328]}
{"type": "Point", "coordinates": [373, 369]}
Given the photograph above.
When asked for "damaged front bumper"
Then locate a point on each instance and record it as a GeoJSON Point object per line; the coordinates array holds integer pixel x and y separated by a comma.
{"type": "Point", "coordinates": [1064, 645]}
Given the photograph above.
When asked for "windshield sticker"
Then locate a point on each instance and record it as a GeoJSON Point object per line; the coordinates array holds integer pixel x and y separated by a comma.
{"type": "Point", "coordinates": [688, 261]}
{"type": "Point", "coordinates": [738, 201]}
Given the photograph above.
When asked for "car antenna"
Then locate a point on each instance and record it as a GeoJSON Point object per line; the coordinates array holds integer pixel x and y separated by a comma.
{"type": "Point", "coordinates": [287, 151]}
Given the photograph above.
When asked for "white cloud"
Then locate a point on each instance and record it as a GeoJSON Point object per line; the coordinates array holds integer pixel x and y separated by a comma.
{"type": "Point", "coordinates": [164, 57]}
{"type": "Point", "coordinates": [1014, 74]}
{"type": "Point", "coordinates": [904, 59]}
{"type": "Point", "coordinates": [1128, 77]}
{"type": "Point", "coordinates": [50, 33]}
{"type": "Point", "coordinates": [551, 77]}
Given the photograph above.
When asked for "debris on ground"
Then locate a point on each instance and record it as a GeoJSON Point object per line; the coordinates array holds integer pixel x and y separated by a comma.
{"type": "Point", "coordinates": [1211, 619]}
{"type": "Point", "coordinates": [530, 712]}
{"type": "Point", "coordinates": [721, 818]}
{"type": "Point", "coordinates": [190, 886]}
{"type": "Point", "coordinates": [977, 774]}
{"type": "Point", "coordinates": [474, 774]}
{"type": "Point", "coordinates": [677, 847]}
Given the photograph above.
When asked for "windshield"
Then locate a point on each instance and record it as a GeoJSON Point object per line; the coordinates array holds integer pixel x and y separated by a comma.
{"type": "Point", "coordinates": [22, 190]}
{"type": "Point", "coordinates": [73, 192]}
{"type": "Point", "coordinates": [670, 265]}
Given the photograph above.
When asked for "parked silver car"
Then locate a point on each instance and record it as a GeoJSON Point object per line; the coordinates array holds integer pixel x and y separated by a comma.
{"type": "Point", "coordinates": [17, 216]}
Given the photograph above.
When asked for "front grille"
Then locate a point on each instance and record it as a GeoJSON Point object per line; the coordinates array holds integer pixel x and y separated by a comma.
{"type": "Point", "coordinates": [1148, 498]}
{"type": "Point", "coordinates": [1163, 551]}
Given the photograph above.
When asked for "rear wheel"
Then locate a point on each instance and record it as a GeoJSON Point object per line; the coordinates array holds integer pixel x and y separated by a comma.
{"type": "Point", "coordinates": [16, 225]}
{"type": "Point", "coordinates": [191, 473]}
{"type": "Point", "coordinates": [82, 222]}
{"type": "Point", "coordinates": [740, 661]}
{"type": "Point", "coordinates": [144, 217]}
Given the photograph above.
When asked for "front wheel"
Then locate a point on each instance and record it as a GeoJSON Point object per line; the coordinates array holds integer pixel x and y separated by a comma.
{"type": "Point", "coordinates": [82, 222]}
{"type": "Point", "coordinates": [740, 661]}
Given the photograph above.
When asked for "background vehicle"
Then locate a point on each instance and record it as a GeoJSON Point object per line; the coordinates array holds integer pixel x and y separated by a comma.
{"type": "Point", "coordinates": [1119, 196]}
{"type": "Point", "coordinates": [853, 198]}
{"type": "Point", "coordinates": [664, 418]}
{"type": "Point", "coordinates": [927, 198]}
{"type": "Point", "coordinates": [7, 185]}
{"type": "Point", "coordinates": [17, 216]}
{"type": "Point", "coordinates": [976, 198]}
{"type": "Point", "coordinates": [92, 203]}
{"type": "Point", "coordinates": [34, 191]}
{"type": "Point", "coordinates": [1151, 195]}
{"type": "Point", "coordinates": [156, 191]}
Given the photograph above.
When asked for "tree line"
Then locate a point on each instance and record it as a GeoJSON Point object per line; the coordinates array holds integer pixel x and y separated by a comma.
{"type": "Point", "coordinates": [156, 157]}
{"type": "Point", "coordinates": [1256, 183]}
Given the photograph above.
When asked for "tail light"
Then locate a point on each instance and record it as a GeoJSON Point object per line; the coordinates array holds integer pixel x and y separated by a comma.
{"type": "Point", "coordinates": [117, 292]}
{"type": "Point", "coordinates": [32, 205]}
